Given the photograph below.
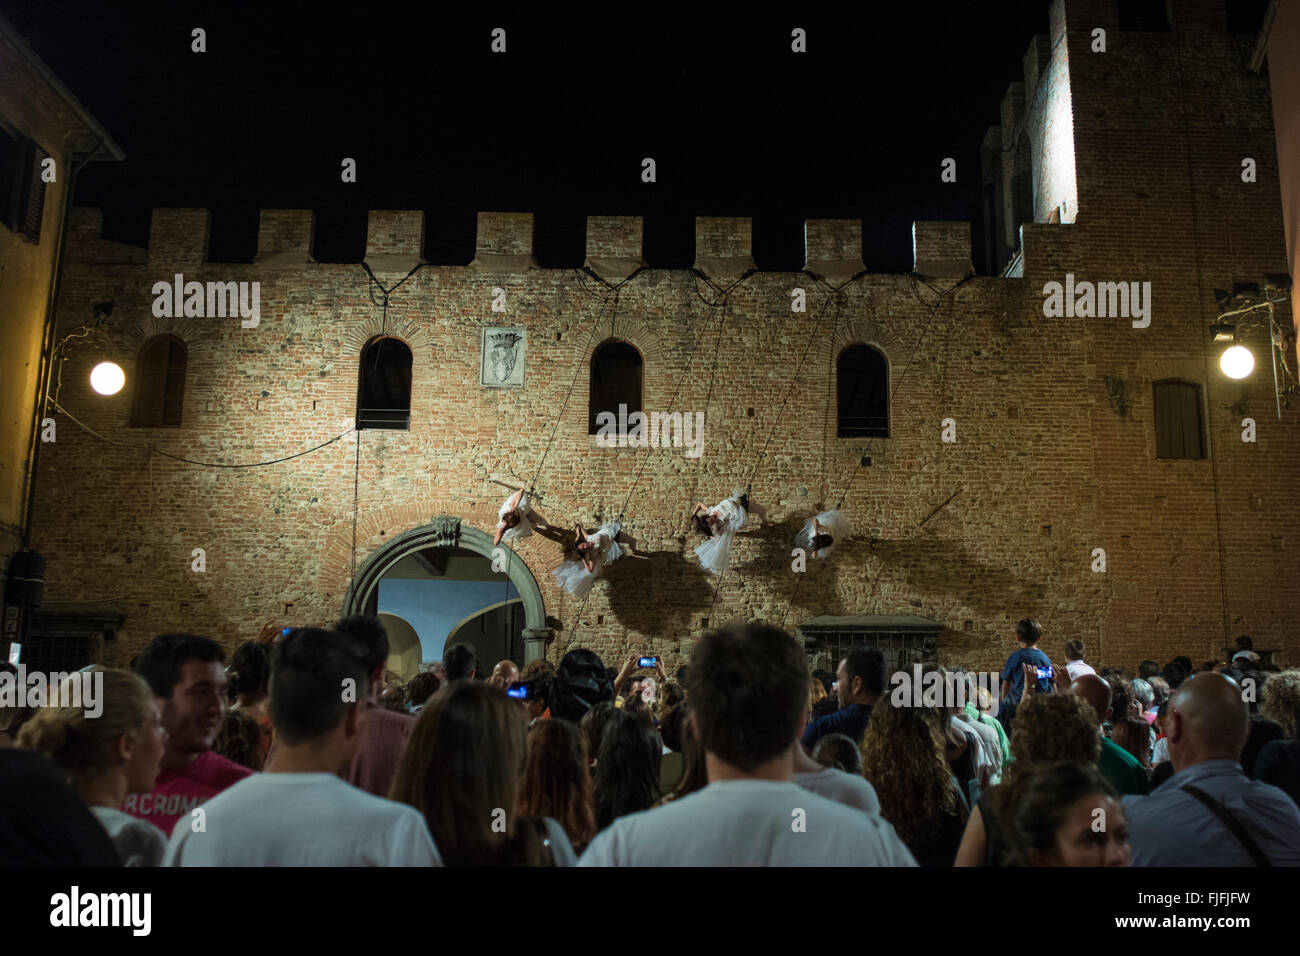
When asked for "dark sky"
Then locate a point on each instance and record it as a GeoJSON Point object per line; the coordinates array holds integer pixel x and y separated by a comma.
{"type": "Point", "coordinates": [557, 126]}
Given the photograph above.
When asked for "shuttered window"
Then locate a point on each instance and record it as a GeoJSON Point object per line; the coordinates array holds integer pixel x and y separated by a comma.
{"type": "Point", "coordinates": [159, 393]}
{"type": "Point", "coordinates": [22, 191]}
{"type": "Point", "coordinates": [1180, 431]}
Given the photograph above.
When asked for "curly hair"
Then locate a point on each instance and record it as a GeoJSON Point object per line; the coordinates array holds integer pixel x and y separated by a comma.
{"type": "Point", "coordinates": [1053, 727]}
{"type": "Point", "coordinates": [239, 740]}
{"type": "Point", "coordinates": [1280, 701]}
{"type": "Point", "coordinates": [902, 757]}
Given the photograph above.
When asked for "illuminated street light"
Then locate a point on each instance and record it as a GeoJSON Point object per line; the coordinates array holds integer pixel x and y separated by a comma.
{"type": "Point", "coordinates": [107, 378]}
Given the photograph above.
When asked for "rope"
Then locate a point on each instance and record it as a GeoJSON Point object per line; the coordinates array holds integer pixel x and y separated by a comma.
{"type": "Point", "coordinates": [795, 380]}
{"type": "Point", "coordinates": [682, 378]}
{"type": "Point", "coordinates": [897, 384]}
{"type": "Point", "coordinates": [708, 398]}
{"type": "Point", "coordinates": [595, 327]}
{"type": "Point", "coordinates": [680, 381]}
{"type": "Point", "coordinates": [750, 484]}
{"type": "Point", "coordinates": [934, 309]}
{"type": "Point", "coordinates": [154, 449]}
{"type": "Point", "coordinates": [356, 494]}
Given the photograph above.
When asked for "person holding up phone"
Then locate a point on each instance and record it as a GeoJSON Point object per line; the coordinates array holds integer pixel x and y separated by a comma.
{"type": "Point", "coordinates": [631, 664]}
{"type": "Point", "coordinates": [1028, 633]}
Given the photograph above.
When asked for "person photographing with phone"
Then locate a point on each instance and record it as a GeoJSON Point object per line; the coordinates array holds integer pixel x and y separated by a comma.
{"type": "Point", "coordinates": [1028, 633]}
{"type": "Point", "coordinates": [633, 663]}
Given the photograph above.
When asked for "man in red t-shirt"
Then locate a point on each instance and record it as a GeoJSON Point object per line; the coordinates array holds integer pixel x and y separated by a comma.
{"type": "Point", "coordinates": [188, 676]}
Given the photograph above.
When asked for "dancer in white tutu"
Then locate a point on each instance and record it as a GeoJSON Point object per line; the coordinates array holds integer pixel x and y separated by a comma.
{"type": "Point", "coordinates": [517, 518]}
{"type": "Point", "coordinates": [596, 552]}
{"type": "Point", "coordinates": [820, 535]}
{"type": "Point", "coordinates": [719, 524]}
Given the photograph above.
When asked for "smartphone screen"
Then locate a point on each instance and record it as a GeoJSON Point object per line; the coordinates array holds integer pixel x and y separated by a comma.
{"type": "Point", "coordinates": [648, 661]}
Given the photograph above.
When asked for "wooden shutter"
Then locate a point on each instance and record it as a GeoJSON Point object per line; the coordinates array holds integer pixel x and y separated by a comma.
{"type": "Point", "coordinates": [1179, 431]}
{"type": "Point", "coordinates": [31, 206]}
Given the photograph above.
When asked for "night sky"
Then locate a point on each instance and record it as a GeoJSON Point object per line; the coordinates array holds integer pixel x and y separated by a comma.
{"type": "Point", "coordinates": [557, 126]}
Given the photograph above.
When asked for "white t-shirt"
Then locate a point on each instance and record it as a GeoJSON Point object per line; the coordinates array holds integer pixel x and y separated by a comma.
{"type": "Point", "coordinates": [558, 841]}
{"type": "Point", "coordinates": [138, 842]}
{"type": "Point", "coordinates": [846, 788]}
{"type": "Point", "coordinates": [749, 823]}
{"type": "Point", "coordinates": [1077, 668]}
{"type": "Point", "coordinates": [988, 753]}
{"type": "Point", "coordinates": [989, 764]}
{"type": "Point", "coordinates": [302, 819]}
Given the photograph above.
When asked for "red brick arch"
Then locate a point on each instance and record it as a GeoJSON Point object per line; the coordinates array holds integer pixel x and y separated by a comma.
{"type": "Point", "coordinates": [149, 326]}
{"type": "Point", "coordinates": [373, 326]}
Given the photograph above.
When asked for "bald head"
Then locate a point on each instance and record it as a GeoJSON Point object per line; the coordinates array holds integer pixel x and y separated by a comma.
{"type": "Point", "coordinates": [1096, 692]}
{"type": "Point", "coordinates": [1207, 720]}
{"type": "Point", "coordinates": [505, 673]}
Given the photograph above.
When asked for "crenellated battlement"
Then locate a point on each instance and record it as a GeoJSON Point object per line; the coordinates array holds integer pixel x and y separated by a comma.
{"type": "Point", "coordinates": [178, 238]}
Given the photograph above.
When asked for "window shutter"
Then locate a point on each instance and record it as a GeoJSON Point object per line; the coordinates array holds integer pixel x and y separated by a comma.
{"type": "Point", "coordinates": [31, 205]}
{"type": "Point", "coordinates": [1180, 431]}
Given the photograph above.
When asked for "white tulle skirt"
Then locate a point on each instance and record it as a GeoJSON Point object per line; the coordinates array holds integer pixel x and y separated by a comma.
{"type": "Point", "coordinates": [574, 577]}
{"type": "Point", "coordinates": [834, 524]}
{"type": "Point", "coordinates": [715, 552]}
{"type": "Point", "coordinates": [606, 541]}
{"type": "Point", "coordinates": [523, 509]}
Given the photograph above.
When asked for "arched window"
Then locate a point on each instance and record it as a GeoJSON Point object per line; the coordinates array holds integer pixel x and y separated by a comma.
{"type": "Point", "coordinates": [863, 392]}
{"type": "Point", "coordinates": [384, 385]}
{"type": "Point", "coordinates": [159, 391]}
{"type": "Point", "coordinates": [1180, 431]}
{"type": "Point", "coordinates": [615, 380]}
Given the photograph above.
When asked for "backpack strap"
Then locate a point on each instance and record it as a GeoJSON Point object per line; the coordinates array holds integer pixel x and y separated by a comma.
{"type": "Point", "coordinates": [1229, 821]}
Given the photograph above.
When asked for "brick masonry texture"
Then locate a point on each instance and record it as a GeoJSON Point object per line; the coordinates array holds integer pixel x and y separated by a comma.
{"type": "Point", "coordinates": [1044, 469]}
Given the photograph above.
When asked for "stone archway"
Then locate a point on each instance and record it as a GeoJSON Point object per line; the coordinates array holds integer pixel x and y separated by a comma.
{"type": "Point", "coordinates": [446, 531]}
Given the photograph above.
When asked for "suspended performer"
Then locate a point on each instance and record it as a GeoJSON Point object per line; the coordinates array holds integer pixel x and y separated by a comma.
{"type": "Point", "coordinates": [517, 518]}
{"type": "Point", "coordinates": [822, 532]}
{"type": "Point", "coordinates": [596, 552]}
{"type": "Point", "coordinates": [719, 525]}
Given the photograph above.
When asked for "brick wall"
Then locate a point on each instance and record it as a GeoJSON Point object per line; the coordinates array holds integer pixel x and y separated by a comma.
{"type": "Point", "coordinates": [1043, 469]}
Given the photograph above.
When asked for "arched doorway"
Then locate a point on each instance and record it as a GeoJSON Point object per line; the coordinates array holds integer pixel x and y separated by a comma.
{"type": "Point", "coordinates": [513, 608]}
{"type": "Point", "coordinates": [404, 651]}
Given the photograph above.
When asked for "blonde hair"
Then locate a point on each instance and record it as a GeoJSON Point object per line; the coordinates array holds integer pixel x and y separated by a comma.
{"type": "Point", "coordinates": [81, 745]}
{"type": "Point", "coordinates": [1280, 700]}
{"type": "Point", "coordinates": [816, 690]}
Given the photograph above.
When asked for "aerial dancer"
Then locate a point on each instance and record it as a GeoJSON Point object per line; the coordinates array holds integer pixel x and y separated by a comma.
{"type": "Point", "coordinates": [719, 525]}
{"type": "Point", "coordinates": [517, 518]}
{"type": "Point", "coordinates": [822, 532]}
{"type": "Point", "coordinates": [596, 552]}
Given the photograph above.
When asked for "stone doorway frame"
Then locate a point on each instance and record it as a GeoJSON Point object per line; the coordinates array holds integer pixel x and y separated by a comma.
{"type": "Point", "coordinates": [446, 531]}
